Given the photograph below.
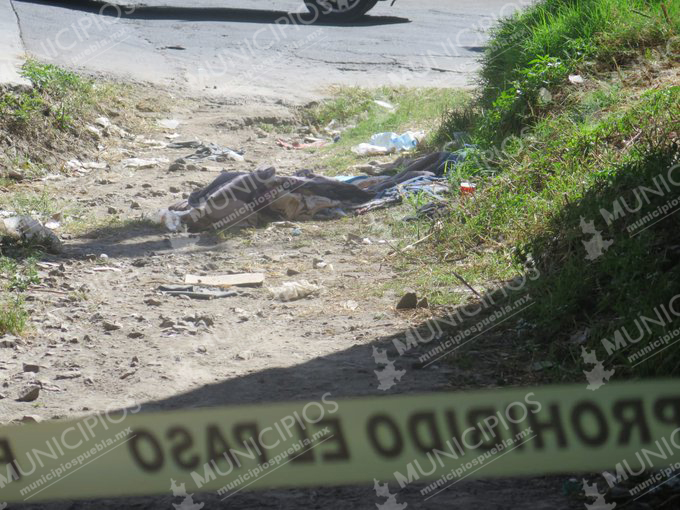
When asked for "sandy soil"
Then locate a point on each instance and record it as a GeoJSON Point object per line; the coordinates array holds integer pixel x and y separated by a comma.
{"type": "Point", "coordinates": [104, 336]}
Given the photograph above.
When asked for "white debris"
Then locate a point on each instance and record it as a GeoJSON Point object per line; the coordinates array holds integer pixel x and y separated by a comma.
{"type": "Point", "coordinates": [293, 291]}
{"type": "Point", "coordinates": [384, 104]}
{"type": "Point", "coordinates": [576, 79]}
{"type": "Point", "coordinates": [103, 122]}
{"type": "Point", "coordinates": [144, 163]}
{"type": "Point", "coordinates": [169, 123]}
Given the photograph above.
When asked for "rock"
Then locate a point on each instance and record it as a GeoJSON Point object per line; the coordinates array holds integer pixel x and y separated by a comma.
{"type": "Point", "coordinates": [423, 303]}
{"type": "Point", "coordinates": [201, 349]}
{"type": "Point", "coordinates": [296, 232]}
{"type": "Point", "coordinates": [9, 342]}
{"type": "Point", "coordinates": [177, 167]}
{"type": "Point", "coordinates": [112, 210]}
{"type": "Point", "coordinates": [136, 334]}
{"type": "Point", "coordinates": [110, 326]}
{"type": "Point", "coordinates": [174, 189]}
{"type": "Point", "coordinates": [292, 272]}
{"type": "Point", "coordinates": [408, 302]}
{"type": "Point", "coordinates": [31, 367]}
{"type": "Point", "coordinates": [29, 393]}
{"type": "Point", "coordinates": [68, 375]}
{"type": "Point", "coordinates": [30, 418]}
{"type": "Point", "coordinates": [135, 205]}
{"type": "Point", "coordinates": [153, 302]}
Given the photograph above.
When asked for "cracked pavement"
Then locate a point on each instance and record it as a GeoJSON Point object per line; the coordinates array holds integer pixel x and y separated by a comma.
{"type": "Point", "coordinates": [250, 48]}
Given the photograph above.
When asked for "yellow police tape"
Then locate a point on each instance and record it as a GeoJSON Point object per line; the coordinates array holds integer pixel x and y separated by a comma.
{"type": "Point", "coordinates": [399, 439]}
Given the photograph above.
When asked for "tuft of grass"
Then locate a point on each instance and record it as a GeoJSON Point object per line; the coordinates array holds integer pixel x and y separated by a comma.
{"type": "Point", "coordinates": [13, 316]}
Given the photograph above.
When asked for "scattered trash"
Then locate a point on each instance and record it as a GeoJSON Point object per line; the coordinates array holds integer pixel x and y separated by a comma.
{"type": "Point", "coordinates": [194, 292]}
{"type": "Point", "coordinates": [212, 152]}
{"type": "Point", "coordinates": [228, 280]}
{"type": "Point", "coordinates": [467, 188]}
{"type": "Point", "coordinates": [139, 163]}
{"type": "Point", "coordinates": [576, 79]}
{"type": "Point", "coordinates": [406, 142]}
{"type": "Point", "coordinates": [544, 95]}
{"type": "Point", "coordinates": [26, 229]}
{"type": "Point", "coordinates": [296, 232]}
{"type": "Point", "coordinates": [350, 305]}
{"type": "Point", "coordinates": [169, 123]}
{"type": "Point", "coordinates": [313, 143]}
{"type": "Point", "coordinates": [384, 104]}
{"type": "Point", "coordinates": [293, 291]}
{"type": "Point", "coordinates": [367, 149]}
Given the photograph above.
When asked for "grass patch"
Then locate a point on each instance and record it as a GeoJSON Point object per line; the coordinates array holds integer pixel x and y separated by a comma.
{"type": "Point", "coordinates": [13, 316]}
{"type": "Point", "coordinates": [551, 156]}
{"type": "Point", "coordinates": [41, 124]}
{"type": "Point", "coordinates": [354, 111]}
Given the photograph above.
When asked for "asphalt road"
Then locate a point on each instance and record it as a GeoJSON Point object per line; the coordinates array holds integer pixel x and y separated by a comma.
{"type": "Point", "coordinates": [260, 47]}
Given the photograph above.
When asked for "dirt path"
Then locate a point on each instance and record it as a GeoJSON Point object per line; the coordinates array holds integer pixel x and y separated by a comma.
{"type": "Point", "coordinates": [104, 337]}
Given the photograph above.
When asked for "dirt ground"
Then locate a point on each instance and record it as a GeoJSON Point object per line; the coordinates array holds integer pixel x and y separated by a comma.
{"type": "Point", "coordinates": [103, 336]}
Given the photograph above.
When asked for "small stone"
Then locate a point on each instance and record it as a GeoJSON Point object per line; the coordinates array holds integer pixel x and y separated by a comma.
{"type": "Point", "coordinates": [177, 167]}
{"type": "Point", "coordinates": [136, 334]}
{"type": "Point", "coordinates": [175, 189]}
{"type": "Point", "coordinates": [134, 362]}
{"type": "Point", "coordinates": [31, 367]}
{"type": "Point", "coordinates": [68, 375]}
{"type": "Point", "coordinates": [152, 302]}
{"type": "Point", "coordinates": [408, 302]}
{"type": "Point", "coordinates": [9, 342]}
{"type": "Point", "coordinates": [135, 205]}
{"type": "Point", "coordinates": [296, 232]}
{"type": "Point", "coordinates": [201, 349]}
{"type": "Point", "coordinates": [29, 393]}
{"type": "Point", "coordinates": [103, 256]}
{"type": "Point", "coordinates": [110, 326]}
{"type": "Point", "coordinates": [30, 418]}
{"type": "Point", "coordinates": [292, 272]}
{"type": "Point", "coordinates": [424, 303]}
{"type": "Point", "coordinates": [112, 210]}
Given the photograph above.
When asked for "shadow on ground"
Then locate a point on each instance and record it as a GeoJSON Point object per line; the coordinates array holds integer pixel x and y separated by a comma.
{"type": "Point", "coordinates": [200, 14]}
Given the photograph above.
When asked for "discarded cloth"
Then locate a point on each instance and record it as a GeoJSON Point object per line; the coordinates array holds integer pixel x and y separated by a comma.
{"type": "Point", "coordinates": [213, 152]}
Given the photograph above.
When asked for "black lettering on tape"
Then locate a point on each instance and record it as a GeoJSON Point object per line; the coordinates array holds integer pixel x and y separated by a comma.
{"type": "Point", "coordinates": [631, 415]}
{"type": "Point", "coordinates": [341, 452]}
{"type": "Point", "coordinates": [385, 423]}
{"type": "Point", "coordinates": [661, 408]}
{"type": "Point", "coordinates": [155, 462]}
{"type": "Point", "coordinates": [8, 461]}
{"type": "Point", "coordinates": [475, 419]}
{"type": "Point", "coordinates": [308, 455]}
{"type": "Point", "coordinates": [249, 432]}
{"type": "Point", "coordinates": [218, 447]}
{"type": "Point", "coordinates": [579, 415]}
{"type": "Point", "coordinates": [422, 428]}
{"type": "Point", "coordinates": [183, 443]}
{"type": "Point", "coordinates": [554, 423]}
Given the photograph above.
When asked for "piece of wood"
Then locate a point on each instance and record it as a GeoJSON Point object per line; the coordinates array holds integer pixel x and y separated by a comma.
{"type": "Point", "coordinates": [227, 280]}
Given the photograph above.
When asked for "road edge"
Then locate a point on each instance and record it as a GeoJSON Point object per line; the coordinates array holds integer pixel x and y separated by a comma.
{"type": "Point", "coordinates": [12, 53]}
